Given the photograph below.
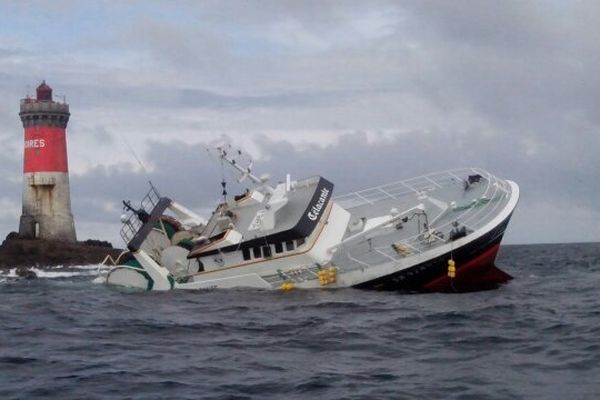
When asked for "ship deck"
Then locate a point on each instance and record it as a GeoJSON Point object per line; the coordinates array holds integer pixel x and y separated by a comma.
{"type": "Point", "coordinates": [452, 207]}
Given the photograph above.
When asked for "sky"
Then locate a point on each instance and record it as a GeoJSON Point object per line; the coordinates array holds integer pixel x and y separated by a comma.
{"type": "Point", "coordinates": [362, 93]}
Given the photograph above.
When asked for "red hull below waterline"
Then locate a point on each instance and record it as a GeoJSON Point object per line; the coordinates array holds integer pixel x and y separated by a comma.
{"type": "Point", "coordinates": [479, 273]}
{"type": "Point", "coordinates": [475, 269]}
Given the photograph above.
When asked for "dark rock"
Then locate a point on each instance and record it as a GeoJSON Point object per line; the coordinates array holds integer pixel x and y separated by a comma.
{"type": "Point", "coordinates": [98, 243]}
{"type": "Point", "coordinates": [23, 272]}
{"type": "Point", "coordinates": [11, 236]}
{"type": "Point", "coordinates": [30, 252]}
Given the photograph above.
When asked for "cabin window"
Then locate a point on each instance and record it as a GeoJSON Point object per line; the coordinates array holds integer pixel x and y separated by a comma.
{"type": "Point", "coordinates": [300, 242]}
{"type": "Point", "coordinates": [266, 250]}
{"type": "Point", "coordinates": [289, 245]}
{"type": "Point", "coordinates": [278, 247]}
{"type": "Point", "coordinates": [256, 251]}
{"type": "Point", "coordinates": [246, 254]}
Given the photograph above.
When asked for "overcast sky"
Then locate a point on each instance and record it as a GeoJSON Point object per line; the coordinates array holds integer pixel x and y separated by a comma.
{"type": "Point", "coordinates": [360, 92]}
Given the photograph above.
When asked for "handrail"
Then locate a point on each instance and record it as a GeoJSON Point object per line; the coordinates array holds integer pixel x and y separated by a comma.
{"type": "Point", "coordinates": [496, 191]}
{"type": "Point", "coordinates": [131, 222]}
{"type": "Point", "coordinates": [416, 185]}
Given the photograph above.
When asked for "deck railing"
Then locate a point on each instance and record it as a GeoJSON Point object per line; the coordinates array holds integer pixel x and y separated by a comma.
{"type": "Point", "coordinates": [472, 218]}
{"type": "Point", "coordinates": [418, 185]}
{"type": "Point", "coordinates": [131, 221]}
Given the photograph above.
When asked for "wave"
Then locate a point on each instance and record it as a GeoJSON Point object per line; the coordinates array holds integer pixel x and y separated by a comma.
{"type": "Point", "coordinates": [57, 272]}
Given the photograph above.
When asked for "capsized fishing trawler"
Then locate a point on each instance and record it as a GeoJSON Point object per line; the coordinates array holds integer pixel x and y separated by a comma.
{"type": "Point", "coordinates": [438, 232]}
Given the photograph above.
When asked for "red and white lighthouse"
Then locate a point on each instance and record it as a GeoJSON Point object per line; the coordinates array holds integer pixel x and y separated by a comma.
{"type": "Point", "coordinates": [46, 193]}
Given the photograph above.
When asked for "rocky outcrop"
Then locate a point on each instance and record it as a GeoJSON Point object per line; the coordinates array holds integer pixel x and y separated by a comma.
{"type": "Point", "coordinates": [19, 252]}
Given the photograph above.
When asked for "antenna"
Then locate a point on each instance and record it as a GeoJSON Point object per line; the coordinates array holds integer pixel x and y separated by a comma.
{"type": "Point", "coordinates": [245, 171]}
{"type": "Point", "coordinates": [223, 182]}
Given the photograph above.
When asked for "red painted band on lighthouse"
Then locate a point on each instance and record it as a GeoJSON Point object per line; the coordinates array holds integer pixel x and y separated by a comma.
{"type": "Point", "coordinates": [45, 149]}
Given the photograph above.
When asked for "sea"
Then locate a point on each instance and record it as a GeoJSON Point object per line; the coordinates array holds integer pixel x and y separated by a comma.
{"type": "Point", "coordinates": [67, 336]}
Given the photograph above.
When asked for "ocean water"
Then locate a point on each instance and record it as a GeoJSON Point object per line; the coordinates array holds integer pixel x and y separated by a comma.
{"type": "Point", "coordinates": [66, 336]}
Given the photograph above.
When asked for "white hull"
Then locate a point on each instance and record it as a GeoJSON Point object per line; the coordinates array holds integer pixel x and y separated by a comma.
{"type": "Point", "coordinates": [335, 255]}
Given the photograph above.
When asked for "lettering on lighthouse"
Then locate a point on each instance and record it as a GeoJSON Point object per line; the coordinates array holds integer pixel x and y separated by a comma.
{"type": "Point", "coordinates": [35, 143]}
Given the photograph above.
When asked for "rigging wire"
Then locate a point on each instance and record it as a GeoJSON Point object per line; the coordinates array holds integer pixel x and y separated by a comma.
{"type": "Point", "coordinates": [223, 182]}
{"type": "Point", "coordinates": [139, 161]}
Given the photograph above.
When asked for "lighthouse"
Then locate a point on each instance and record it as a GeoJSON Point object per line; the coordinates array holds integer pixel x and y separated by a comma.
{"type": "Point", "coordinates": [46, 194]}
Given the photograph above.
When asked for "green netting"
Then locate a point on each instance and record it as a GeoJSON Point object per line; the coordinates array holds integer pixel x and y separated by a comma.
{"type": "Point", "coordinates": [170, 229]}
{"type": "Point", "coordinates": [132, 262]}
{"type": "Point", "coordinates": [186, 244]}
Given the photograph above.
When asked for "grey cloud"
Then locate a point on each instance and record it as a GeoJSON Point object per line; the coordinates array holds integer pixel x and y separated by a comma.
{"type": "Point", "coordinates": [519, 63]}
{"type": "Point", "coordinates": [514, 26]}
{"type": "Point", "coordinates": [103, 137]}
{"type": "Point", "coordinates": [101, 183]}
{"type": "Point", "coordinates": [136, 98]}
{"type": "Point", "coordinates": [174, 44]}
